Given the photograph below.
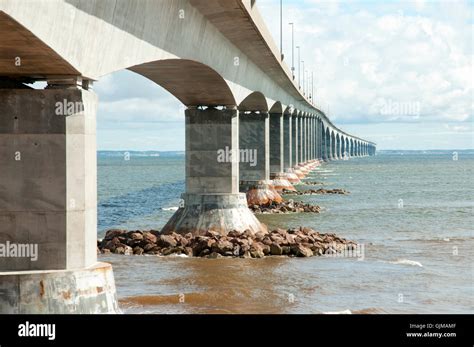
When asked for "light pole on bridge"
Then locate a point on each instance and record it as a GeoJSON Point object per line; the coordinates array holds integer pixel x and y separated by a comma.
{"type": "Point", "coordinates": [299, 69]}
{"type": "Point", "coordinates": [292, 49]}
{"type": "Point", "coordinates": [302, 62]}
{"type": "Point", "coordinates": [281, 29]}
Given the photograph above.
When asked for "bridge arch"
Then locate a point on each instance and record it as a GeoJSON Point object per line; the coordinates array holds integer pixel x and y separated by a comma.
{"type": "Point", "coordinates": [255, 101]}
{"type": "Point", "coordinates": [191, 82]}
{"type": "Point", "coordinates": [277, 107]}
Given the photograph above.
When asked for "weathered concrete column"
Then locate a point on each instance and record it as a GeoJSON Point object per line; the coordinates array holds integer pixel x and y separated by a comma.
{"type": "Point", "coordinates": [254, 140]}
{"type": "Point", "coordinates": [332, 145]}
{"type": "Point", "coordinates": [301, 142]}
{"type": "Point", "coordinates": [325, 144]}
{"type": "Point", "coordinates": [277, 146]}
{"type": "Point", "coordinates": [288, 149]}
{"type": "Point", "coordinates": [48, 204]}
{"type": "Point", "coordinates": [343, 148]}
{"type": "Point", "coordinates": [212, 200]}
{"type": "Point", "coordinates": [311, 139]}
{"type": "Point", "coordinates": [295, 142]}
{"type": "Point", "coordinates": [320, 140]}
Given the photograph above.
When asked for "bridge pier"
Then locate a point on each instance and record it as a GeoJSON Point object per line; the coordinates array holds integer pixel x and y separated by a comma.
{"type": "Point", "coordinates": [254, 139]}
{"type": "Point", "coordinates": [277, 142]}
{"type": "Point", "coordinates": [296, 144]}
{"type": "Point", "coordinates": [212, 200]}
{"type": "Point", "coordinates": [48, 204]}
{"type": "Point", "coordinates": [288, 149]}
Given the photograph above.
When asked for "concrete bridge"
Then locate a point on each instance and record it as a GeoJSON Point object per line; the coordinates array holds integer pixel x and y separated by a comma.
{"type": "Point", "coordinates": [250, 130]}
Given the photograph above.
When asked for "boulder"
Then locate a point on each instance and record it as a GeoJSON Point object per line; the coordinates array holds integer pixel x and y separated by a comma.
{"type": "Point", "coordinates": [166, 241]}
{"type": "Point", "coordinates": [110, 234]}
{"type": "Point", "coordinates": [149, 237]}
{"type": "Point", "coordinates": [301, 251]}
{"type": "Point", "coordinates": [276, 249]}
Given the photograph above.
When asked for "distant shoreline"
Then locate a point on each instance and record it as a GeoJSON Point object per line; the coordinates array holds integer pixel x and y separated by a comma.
{"type": "Point", "coordinates": [153, 153]}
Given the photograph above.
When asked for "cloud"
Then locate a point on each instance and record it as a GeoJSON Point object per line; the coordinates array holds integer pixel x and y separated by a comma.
{"type": "Point", "coordinates": [415, 56]}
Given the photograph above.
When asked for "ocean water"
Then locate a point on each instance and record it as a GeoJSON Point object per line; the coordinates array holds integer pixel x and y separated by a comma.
{"type": "Point", "coordinates": [412, 212]}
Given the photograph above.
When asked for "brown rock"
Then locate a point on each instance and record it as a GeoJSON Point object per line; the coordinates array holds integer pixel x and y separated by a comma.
{"type": "Point", "coordinates": [148, 247]}
{"type": "Point", "coordinates": [212, 233]}
{"type": "Point", "coordinates": [234, 233]}
{"type": "Point", "coordinates": [275, 249]}
{"type": "Point", "coordinates": [149, 237]}
{"type": "Point", "coordinates": [222, 246]}
{"type": "Point", "coordinates": [138, 250]}
{"type": "Point", "coordinates": [124, 249]}
{"type": "Point", "coordinates": [166, 241]}
{"type": "Point", "coordinates": [110, 234]}
{"type": "Point", "coordinates": [205, 252]}
{"type": "Point", "coordinates": [301, 251]}
{"type": "Point", "coordinates": [256, 251]}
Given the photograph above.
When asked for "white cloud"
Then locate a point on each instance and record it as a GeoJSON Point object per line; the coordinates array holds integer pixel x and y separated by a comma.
{"type": "Point", "coordinates": [362, 53]}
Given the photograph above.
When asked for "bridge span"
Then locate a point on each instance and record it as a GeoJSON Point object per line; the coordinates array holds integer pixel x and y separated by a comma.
{"type": "Point", "coordinates": [216, 57]}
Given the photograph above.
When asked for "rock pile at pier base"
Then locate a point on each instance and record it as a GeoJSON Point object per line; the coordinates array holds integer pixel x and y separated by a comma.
{"type": "Point", "coordinates": [296, 242]}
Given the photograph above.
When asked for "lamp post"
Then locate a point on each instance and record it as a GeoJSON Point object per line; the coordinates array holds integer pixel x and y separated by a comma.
{"type": "Point", "coordinates": [302, 62]}
{"type": "Point", "coordinates": [292, 49]}
{"type": "Point", "coordinates": [299, 70]}
{"type": "Point", "coordinates": [281, 29]}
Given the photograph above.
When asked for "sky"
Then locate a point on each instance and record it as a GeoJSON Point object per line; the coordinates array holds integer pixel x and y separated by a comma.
{"type": "Point", "coordinates": [396, 73]}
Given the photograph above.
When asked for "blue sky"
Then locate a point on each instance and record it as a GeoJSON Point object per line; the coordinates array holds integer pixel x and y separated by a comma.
{"type": "Point", "coordinates": [397, 73]}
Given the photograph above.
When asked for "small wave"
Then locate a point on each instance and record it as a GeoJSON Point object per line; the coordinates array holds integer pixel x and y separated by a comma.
{"type": "Point", "coordinates": [178, 255]}
{"type": "Point", "coordinates": [173, 208]}
{"type": "Point", "coordinates": [339, 312]}
{"type": "Point", "coordinates": [407, 262]}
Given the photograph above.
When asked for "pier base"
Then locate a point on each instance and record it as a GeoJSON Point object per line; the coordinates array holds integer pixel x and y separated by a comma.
{"type": "Point", "coordinates": [281, 182]}
{"type": "Point", "coordinates": [217, 212]}
{"type": "Point", "coordinates": [83, 291]}
{"type": "Point", "coordinates": [261, 193]}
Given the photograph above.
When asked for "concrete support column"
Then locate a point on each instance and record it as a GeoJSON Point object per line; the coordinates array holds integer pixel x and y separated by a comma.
{"type": "Point", "coordinates": [338, 147]}
{"type": "Point", "coordinates": [311, 138]}
{"type": "Point", "coordinates": [332, 153]}
{"type": "Point", "coordinates": [288, 149]}
{"type": "Point", "coordinates": [320, 140]}
{"type": "Point", "coordinates": [295, 141]}
{"type": "Point", "coordinates": [343, 149]}
{"type": "Point", "coordinates": [48, 204]}
{"type": "Point", "coordinates": [254, 137]}
{"type": "Point", "coordinates": [276, 143]}
{"type": "Point", "coordinates": [277, 149]}
{"type": "Point", "coordinates": [301, 142]}
{"type": "Point", "coordinates": [212, 200]}
{"type": "Point", "coordinates": [327, 145]}
{"type": "Point", "coordinates": [298, 144]}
